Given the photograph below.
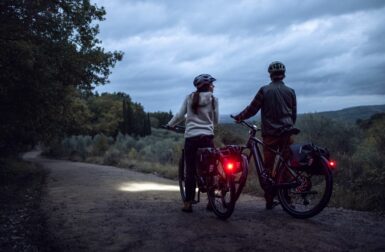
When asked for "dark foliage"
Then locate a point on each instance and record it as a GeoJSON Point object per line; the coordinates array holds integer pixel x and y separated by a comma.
{"type": "Point", "coordinates": [22, 222]}
{"type": "Point", "coordinates": [160, 118]}
{"type": "Point", "coordinates": [49, 57]}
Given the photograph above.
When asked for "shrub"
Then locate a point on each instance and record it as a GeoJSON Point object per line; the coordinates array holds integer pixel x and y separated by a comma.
{"type": "Point", "coordinates": [124, 142]}
{"type": "Point", "coordinates": [337, 136]}
{"type": "Point", "coordinates": [112, 156]}
{"type": "Point", "coordinates": [100, 144]}
{"type": "Point", "coordinates": [133, 154]}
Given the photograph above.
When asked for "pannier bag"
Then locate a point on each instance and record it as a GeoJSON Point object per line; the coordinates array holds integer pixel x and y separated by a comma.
{"type": "Point", "coordinates": [207, 159]}
{"type": "Point", "coordinates": [235, 163]}
{"type": "Point", "coordinates": [307, 157]}
{"type": "Point", "coordinates": [232, 159]}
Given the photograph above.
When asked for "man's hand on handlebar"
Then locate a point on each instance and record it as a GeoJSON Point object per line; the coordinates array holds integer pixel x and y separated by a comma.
{"type": "Point", "coordinates": [236, 119]}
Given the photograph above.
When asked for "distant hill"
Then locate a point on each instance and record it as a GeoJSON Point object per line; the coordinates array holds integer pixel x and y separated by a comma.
{"type": "Point", "coordinates": [350, 115]}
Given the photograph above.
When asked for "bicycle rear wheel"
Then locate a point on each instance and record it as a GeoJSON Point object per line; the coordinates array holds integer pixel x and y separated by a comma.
{"type": "Point", "coordinates": [311, 194]}
{"type": "Point", "coordinates": [240, 178]}
{"type": "Point", "coordinates": [221, 193]}
{"type": "Point", "coordinates": [182, 176]}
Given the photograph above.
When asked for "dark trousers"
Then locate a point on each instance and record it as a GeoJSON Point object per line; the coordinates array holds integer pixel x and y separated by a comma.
{"type": "Point", "coordinates": [191, 146]}
{"type": "Point", "coordinates": [274, 143]}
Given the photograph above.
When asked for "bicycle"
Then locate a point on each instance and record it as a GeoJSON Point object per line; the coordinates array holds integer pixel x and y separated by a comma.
{"type": "Point", "coordinates": [303, 184]}
{"type": "Point", "coordinates": [212, 178]}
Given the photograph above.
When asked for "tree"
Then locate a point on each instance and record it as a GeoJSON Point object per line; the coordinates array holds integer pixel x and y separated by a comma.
{"type": "Point", "coordinates": [106, 111]}
{"type": "Point", "coordinates": [49, 54]}
{"type": "Point", "coordinates": [148, 125]}
{"type": "Point", "coordinates": [161, 118]}
{"type": "Point", "coordinates": [138, 124]}
{"type": "Point", "coordinates": [128, 115]}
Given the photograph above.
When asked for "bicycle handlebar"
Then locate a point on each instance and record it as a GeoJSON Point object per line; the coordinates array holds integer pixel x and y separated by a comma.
{"type": "Point", "coordinates": [243, 122]}
{"type": "Point", "coordinates": [178, 129]}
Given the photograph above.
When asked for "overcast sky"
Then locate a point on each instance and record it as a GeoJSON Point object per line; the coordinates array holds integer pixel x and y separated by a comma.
{"type": "Point", "coordinates": [334, 51]}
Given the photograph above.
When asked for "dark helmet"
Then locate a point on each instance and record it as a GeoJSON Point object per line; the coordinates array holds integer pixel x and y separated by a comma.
{"type": "Point", "coordinates": [276, 67]}
{"type": "Point", "coordinates": [203, 79]}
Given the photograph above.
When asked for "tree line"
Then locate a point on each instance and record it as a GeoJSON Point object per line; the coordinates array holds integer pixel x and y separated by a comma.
{"type": "Point", "coordinates": [50, 62]}
{"type": "Point", "coordinates": [49, 58]}
{"type": "Point", "coordinates": [114, 113]}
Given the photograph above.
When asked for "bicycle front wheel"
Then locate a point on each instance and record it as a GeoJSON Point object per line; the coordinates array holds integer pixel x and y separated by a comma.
{"type": "Point", "coordinates": [311, 193]}
{"type": "Point", "coordinates": [221, 193]}
{"type": "Point", "coordinates": [182, 176]}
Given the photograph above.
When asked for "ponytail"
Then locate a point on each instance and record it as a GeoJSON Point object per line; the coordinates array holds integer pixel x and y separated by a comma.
{"type": "Point", "coordinates": [195, 102]}
{"type": "Point", "coordinates": [195, 98]}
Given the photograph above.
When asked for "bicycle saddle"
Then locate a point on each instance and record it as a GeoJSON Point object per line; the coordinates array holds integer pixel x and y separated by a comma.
{"type": "Point", "coordinates": [291, 131]}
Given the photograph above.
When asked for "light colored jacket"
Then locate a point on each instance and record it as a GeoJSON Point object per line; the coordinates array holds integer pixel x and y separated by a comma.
{"type": "Point", "coordinates": [201, 123]}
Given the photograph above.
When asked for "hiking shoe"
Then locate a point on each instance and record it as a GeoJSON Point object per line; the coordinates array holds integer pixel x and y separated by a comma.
{"type": "Point", "coordinates": [187, 207]}
{"type": "Point", "coordinates": [270, 205]}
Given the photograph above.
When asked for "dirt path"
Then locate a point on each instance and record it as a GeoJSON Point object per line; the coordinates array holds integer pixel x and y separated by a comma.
{"type": "Point", "coordinates": [100, 208]}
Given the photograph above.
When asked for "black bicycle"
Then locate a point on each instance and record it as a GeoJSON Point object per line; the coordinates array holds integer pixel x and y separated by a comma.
{"type": "Point", "coordinates": [304, 182]}
{"type": "Point", "coordinates": [215, 175]}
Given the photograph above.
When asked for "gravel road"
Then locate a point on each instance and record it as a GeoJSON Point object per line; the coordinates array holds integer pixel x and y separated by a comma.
{"type": "Point", "coordinates": [102, 208]}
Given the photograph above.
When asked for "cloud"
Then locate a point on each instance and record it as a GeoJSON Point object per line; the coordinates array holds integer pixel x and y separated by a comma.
{"type": "Point", "coordinates": [331, 49]}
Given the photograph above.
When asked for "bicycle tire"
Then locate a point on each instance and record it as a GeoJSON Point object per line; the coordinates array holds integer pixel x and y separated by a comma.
{"type": "Point", "coordinates": [303, 206]}
{"type": "Point", "coordinates": [240, 178]}
{"type": "Point", "coordinates": [221, 194]}
{"type": "Point", "coordinates": [182, 177]}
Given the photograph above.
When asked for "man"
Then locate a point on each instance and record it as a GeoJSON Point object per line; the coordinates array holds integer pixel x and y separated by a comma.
{"type": "Point", "coordinates": [278, 106]}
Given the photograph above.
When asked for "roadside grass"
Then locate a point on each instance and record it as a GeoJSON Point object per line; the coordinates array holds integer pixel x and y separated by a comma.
{"type": "Point", "coordinates": [21, 219]}
{"type": "Point", "coordinates": [163, 170]}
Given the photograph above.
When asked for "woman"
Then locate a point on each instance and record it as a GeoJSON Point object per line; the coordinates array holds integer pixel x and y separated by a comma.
{"type": "Point", "coordinates": [201, 108]}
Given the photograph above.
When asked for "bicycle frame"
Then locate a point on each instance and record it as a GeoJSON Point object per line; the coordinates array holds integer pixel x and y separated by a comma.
{"type": "Point", "coordinates": [266, 181]}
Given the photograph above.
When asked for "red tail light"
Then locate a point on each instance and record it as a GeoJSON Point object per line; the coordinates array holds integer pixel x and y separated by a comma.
{"type": "Point", "coordinates": [231, 166]}
{"type": "Point", "coordinates": [332, 164]}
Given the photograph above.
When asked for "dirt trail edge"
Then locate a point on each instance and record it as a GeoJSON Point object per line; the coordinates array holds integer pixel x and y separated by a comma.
{"type": "Point", "coordinates": [102, 208]}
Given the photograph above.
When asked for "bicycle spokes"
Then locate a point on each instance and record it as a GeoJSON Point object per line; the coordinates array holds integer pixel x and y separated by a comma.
{"type": "Point", "coordinates": [221, 195]}
{"type": "Point", "coordinates": [310, 195]}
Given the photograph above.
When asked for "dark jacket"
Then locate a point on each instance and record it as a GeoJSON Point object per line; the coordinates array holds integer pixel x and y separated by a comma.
{"type": "Point", "coordinates": [278, 106]}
